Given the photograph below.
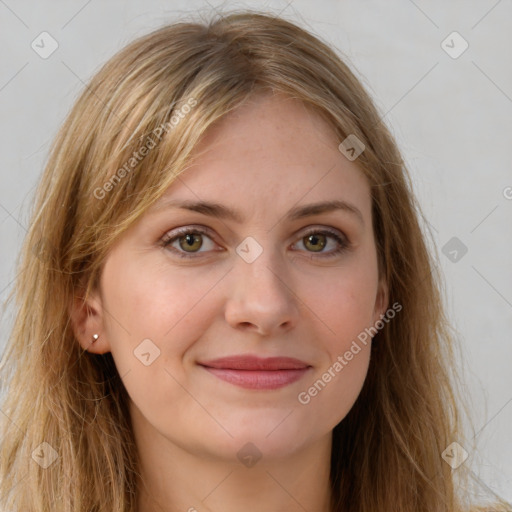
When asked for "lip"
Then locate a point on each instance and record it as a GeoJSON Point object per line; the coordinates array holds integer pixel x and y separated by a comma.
{"type": "Point", "coordinates": [252, 372]}
{"type": "Point", "coordinates": [249, 362]}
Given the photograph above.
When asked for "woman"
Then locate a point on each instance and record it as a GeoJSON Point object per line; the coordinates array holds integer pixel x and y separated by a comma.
{"type": "Point", "coordinates": [225, 299]}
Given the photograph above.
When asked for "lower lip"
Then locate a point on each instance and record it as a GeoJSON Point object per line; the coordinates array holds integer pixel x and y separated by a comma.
{"type": "Point", "coordinates": [258, 379]}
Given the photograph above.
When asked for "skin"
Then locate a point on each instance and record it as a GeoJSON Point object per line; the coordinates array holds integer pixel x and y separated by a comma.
{"type": "Point", "coordinates": [267, 157]}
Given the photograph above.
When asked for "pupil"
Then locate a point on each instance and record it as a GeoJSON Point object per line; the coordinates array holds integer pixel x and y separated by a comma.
{"type": "Point", "coordinates": [191, 240]}
{"type": "Point", "coordinates": [314, 239]}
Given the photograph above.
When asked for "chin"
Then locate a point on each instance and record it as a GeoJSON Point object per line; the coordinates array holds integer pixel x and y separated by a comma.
{"type": "Point", "coordinates": [267, 436]}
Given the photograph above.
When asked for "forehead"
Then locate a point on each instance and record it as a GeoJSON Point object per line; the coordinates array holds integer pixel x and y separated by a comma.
{"type": "Point", "coordinates": [272, 151]}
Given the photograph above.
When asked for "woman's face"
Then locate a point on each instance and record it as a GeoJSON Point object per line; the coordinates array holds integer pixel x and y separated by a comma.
{"type": "Point", "coordinates": [262, 273]}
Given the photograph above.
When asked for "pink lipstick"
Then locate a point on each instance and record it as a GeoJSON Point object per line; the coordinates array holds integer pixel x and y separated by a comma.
{"type": "Point", "coordinates": [253, 372]}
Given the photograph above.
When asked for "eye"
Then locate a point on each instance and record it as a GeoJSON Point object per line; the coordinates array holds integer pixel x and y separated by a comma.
{"type": "Point", "coordinates": [316, 240]}
{"type": "Point", "coordinates": [186, 242]}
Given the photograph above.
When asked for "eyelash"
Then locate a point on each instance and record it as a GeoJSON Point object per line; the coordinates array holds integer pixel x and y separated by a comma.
{"type": "Point", "coordinates": [167, 240]}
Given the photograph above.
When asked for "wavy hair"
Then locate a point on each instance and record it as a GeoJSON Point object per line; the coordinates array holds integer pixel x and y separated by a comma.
{"type": "Point", "coordinates": [387, 451]}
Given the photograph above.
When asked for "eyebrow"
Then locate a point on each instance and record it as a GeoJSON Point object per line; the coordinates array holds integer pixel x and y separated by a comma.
{"type": "Point", "coordinates": [221, 211]}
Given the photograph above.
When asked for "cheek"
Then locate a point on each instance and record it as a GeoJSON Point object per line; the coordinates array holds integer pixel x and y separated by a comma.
{"type": "Point", "coordinates": [148, 301]}
{"type": "Point", "coordinates": [153, 316]}
{"type": "Point", "coordinates": [346, 303]}
{"type": "Point", "coordinates": [333, 392]}
{"type": "Point", "coordinates": [346, 308]}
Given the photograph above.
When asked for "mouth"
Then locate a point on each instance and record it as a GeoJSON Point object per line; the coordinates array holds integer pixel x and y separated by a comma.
{"type": "Point", "coordinates": [253, 372]}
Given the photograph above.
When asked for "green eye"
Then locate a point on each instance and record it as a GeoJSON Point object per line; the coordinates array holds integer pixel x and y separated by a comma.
{"type": "Point", "coordinates": [317, 241]}
{"type": "Point", "coordinates": [187, 242]}
{"type": "Point", "coordinates": [191, 242]}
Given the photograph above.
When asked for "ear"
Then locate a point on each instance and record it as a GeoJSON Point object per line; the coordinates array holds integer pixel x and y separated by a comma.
{"type": "Point", "coordinates": [381, 300]}
{"type": "Point", "coordinates": [87, 318]}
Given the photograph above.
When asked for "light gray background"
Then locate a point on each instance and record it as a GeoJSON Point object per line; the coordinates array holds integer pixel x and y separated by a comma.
{"type": "Point", "coordinates": [451, 118]}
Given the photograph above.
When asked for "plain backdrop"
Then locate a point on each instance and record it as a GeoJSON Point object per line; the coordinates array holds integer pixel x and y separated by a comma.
{"type": "Point", "coordinates": [450, 111]}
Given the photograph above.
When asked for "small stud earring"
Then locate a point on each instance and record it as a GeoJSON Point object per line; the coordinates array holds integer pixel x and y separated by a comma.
{"type": "Point", "coordinates": [95, 337]}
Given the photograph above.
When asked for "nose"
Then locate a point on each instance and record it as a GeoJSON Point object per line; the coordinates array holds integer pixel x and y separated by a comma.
{"type": "Point", "coordinates": [262, 298]}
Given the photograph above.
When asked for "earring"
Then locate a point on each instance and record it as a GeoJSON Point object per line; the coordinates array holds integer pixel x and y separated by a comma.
{"type": "Point", "coordinates": [95, 337]}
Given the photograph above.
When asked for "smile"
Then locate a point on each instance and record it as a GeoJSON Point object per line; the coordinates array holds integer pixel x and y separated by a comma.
{"type": "Point", "coordinates": [258, 379]}
{"type": "Point", "coordinates": [251, 372]}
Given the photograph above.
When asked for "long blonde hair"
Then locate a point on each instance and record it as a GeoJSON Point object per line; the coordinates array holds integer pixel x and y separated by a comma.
{"type": "Point", "coordinates": [387, 451]}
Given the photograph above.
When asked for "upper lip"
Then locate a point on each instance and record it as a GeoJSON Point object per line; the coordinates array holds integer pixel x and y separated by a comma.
{"type": "Point", "coordinates": [248, 362]}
